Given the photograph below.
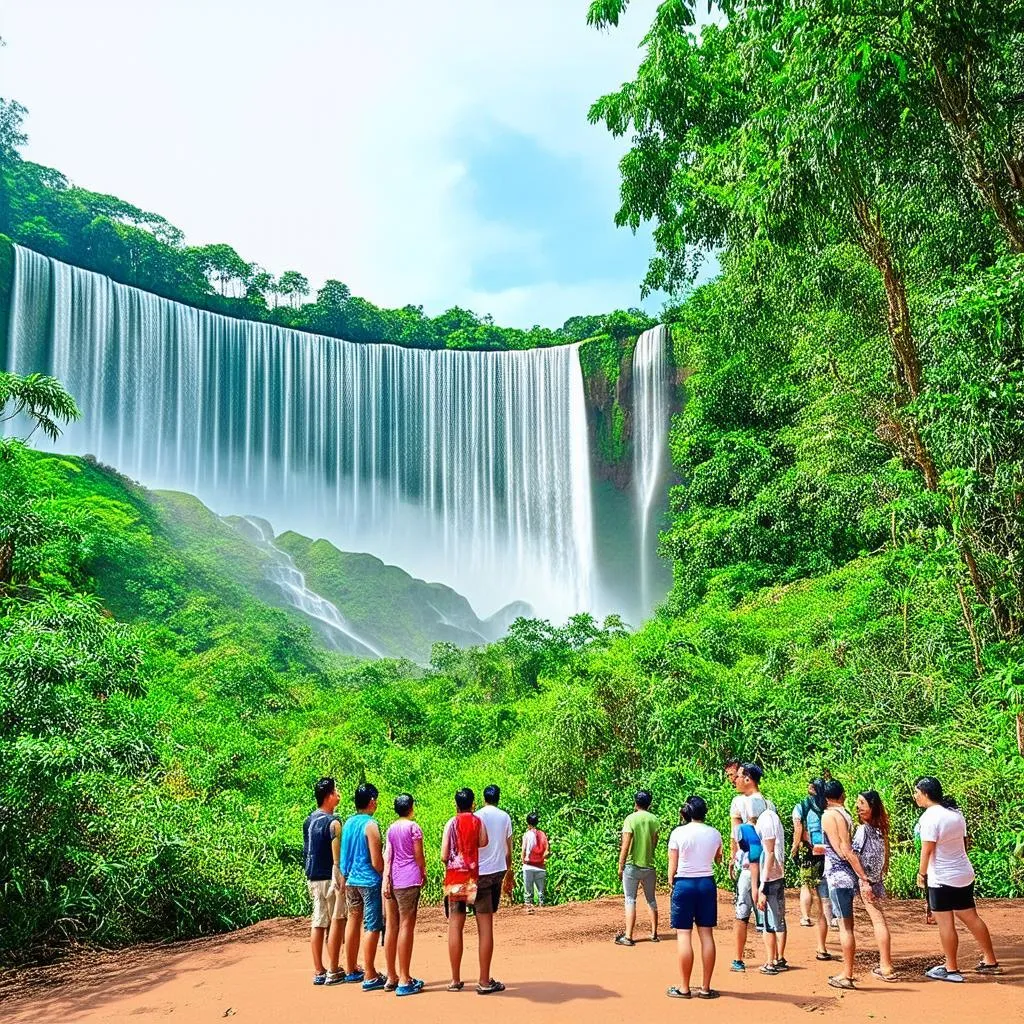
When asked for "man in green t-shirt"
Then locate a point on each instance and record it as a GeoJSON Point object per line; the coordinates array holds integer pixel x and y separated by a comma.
{"type": "Point", "coordinates": [636, 865]}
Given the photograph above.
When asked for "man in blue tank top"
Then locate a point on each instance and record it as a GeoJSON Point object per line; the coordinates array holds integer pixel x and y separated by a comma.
{"type": "Point", "coordinates": [321, 851]}
{"type": "Point", "coordinates": [362, 865]}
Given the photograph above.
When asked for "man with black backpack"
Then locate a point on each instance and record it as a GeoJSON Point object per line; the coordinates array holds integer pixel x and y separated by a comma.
{"type": "Point", "coordinates": [321, 854]}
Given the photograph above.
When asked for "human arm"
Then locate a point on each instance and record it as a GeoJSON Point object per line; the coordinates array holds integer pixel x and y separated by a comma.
{"type": "Point", "coordinates": [446, 844]}
{"type": "Point", "coordinates": [927, 850]}
{"type": "Point", "coordinates": [673, 861]}
{"type": "Point", "coordinates": [510, 875]}
{"type": "Point", "coordinates": [624, 847]}
{"type": "Point", "coordinates": [735, 821]}
{"type": "Point", "coordinates": [339, 881]}
{"type": "Point", "coordinates": [420, 857]}
{"type": "Point", "coordinates": [838, 833]}
{"type": "Point", "coordinates": [483, 840]}
{"type": "Point", "coordinates": [757, 882]}
{"type": "Point", "coordinates": [386, 890]}
{"type": "Point", "coordinates": [376, 846]}
{"type": "Point", "coordinates": [798, 835]}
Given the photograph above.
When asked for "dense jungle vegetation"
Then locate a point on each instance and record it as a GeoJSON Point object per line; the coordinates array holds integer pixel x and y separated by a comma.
{"type": "Point", "coordinates": [846, 535]}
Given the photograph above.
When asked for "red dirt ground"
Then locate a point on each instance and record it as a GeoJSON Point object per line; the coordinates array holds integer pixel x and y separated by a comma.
{"type": "Point", "coordinates": [559, 965]}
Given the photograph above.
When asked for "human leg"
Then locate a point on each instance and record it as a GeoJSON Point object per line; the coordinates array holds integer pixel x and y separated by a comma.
{"type": "Point", "coordinates": [353, 935]}
{"type": "Point", "coordinates": [630, 885]}
{"type": "Point", "coordinates": [485, 932]}
{"type": "Point", "coordinates": [949, 939]}
{"type": "Point", "coordinates": [406, 937]}
{"type": "Point", "coordinates": [456, 927]}
{"type": "Point", "coordinates": [744, 908]}
{"type": "Point", "coordinates": [316, 946]}
{"type": "Point", "coordinates": [393, 920]}
{"type": "Point", "coordinates": [541, 879]}
{"type": "Point", "coordinates": [529, 877]}
{"type": "Point", "coordinates": [883, 938]}
{"type": "Point", "coordinates": [648, 879]}
{"type": "Point", "coordinates": [806, 898]}
{"type": "Point", "coordinates": [976, 926]}
{"type": "Point", "coordinates": [684, 948]}
{"type": "Point", "coordinates": [842, 909]}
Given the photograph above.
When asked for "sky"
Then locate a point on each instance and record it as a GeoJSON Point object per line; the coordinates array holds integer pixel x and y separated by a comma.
{"type": "Point", "coordinates": [435, 154]}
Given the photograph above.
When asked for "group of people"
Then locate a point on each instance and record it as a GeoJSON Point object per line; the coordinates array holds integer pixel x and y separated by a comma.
{"type": "Point", "coordinates": [837, 862]}
{"type": "Point", "coordinates": [362, 885]}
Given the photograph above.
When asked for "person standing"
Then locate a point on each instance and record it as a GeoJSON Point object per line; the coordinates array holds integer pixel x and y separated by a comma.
{"type": "Point", "coordinates": [321, 856]}
{"type": "Point", "coordinates": [948, 874]}
{"type": "Point", "coordinates": [771, 889]}
{"type": "Point", "coordinates": [809, 851]}
{"type": "Point", "coordinates": [362, 866]}
{"type": "Point", "coordinates": [636, 865]}
{"type": "Point", "coordinates": [871, 843]}
{"type": "Point", "coordinates": [496, 876]}
{"type": "Point", "coordinates": [464, 836]}
{"type": "Point", "coordinates": [747, 783]}
{"type": "Point", "coordinates": [535, 850]}
{"type": "Point", "coordinates": [405, 874]}
{"type": "Point", "coordinates": [693, 850]}
{"type": "Point", "coordinates": [844, 873]}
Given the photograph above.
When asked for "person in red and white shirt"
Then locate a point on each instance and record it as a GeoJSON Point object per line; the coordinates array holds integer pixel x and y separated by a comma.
{"type": "Point", "coordinates": [535, 858]}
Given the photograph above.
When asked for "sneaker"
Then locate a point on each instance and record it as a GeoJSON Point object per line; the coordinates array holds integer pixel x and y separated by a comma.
{"type": "Point", "coordinates": [353, 977]}
{"type": "Point", "coordinates": [939, 973]}
{"type": "Point", "coordinates": [335, 978]}
{"type": "Point", "coordinates": [781, 964]}
{"type": "Point", "coordinates": [375, 983]}
{"type": "Point", "coordinates": [738, 965]}
{"type": "Point", "coordinates": [769, 969]}
{"type": "Point", "coordinates": [320, 979]}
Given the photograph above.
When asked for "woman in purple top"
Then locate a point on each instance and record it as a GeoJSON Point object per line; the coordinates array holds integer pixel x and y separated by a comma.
{"type": "Point", "coordinates": [405, 872]}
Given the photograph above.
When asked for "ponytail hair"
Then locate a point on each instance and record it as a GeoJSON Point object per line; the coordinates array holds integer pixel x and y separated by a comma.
{"type": "Point", "coordinates": [932, 788]}
{"type": "Point", "coordinates": [695, 809]}
{"type": "Point", "coordinates": [879, 816]}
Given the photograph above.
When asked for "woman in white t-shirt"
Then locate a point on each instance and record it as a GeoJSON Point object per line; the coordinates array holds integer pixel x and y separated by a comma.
{"type": "Point", "coordinates": [947, 873]}
{"type": "Point", "coordinates": [693, 851]}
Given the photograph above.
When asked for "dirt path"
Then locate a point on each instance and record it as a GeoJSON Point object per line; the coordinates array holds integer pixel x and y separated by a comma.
{"type": "Point", "coordinates": [559, 965]}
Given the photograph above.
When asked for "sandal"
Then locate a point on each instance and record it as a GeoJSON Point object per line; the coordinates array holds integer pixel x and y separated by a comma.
{"type": "Point", "coordinates": [678, 993]}
{"type": "Point", "coordinates": [839, 981]}
{"type": "Point", "coordinates": [621, 940]}
{"type": "Point", "coordinates": [707, 993]}
{"type": "Point", "coordinates": [456, 986]}
{"type": "Point", "coordinates": [806, 922]}
{"type": "Point", "coordinates": [654, 938]}
{"type": "Point", "coordinates": [879, 973]}
{"type": "Point", "coordinates": [984, 968]}
{"type": "Point", "coordinates": [390, 986]}
{"type": "Point", "coordinates": [486, 990]}
{"type": "Point", "coordinates": [823, 956]}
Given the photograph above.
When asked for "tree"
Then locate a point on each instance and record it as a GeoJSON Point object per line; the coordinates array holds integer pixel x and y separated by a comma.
{"type": "Point", "coordinates": [41, 399]}
{"type": "Point", "coordinates": [333, 295]}
{"type": "Point", "coordinates": [294, 286]}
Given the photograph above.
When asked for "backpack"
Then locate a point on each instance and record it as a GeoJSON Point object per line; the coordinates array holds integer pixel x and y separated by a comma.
{"type": "Point", "coordinates": [539, 851]}
{"type": "Point", "coordinates": [811, 818]}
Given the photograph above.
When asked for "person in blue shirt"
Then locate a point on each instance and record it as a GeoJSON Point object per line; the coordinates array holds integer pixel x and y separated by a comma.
{"type": "Point", "coordinates": [362, 866]}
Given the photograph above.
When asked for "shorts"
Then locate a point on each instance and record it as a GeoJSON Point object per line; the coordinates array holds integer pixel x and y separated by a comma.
{"type": "Point", "coordinates": [366, 898]}
{"type": "Point", "coordinates": [407, 899]}
{"type": "Point", "coordinates": [326, 905]}
{"type": "Point", "coordinates": [633, 878]}
{"type": "Point", "coordinates": [694, 901]}
{"type": "Point", "coordinates": [488, 893]}
{"type": "Point", "coordinates": [775, 911]}
{"type": "Point", "coordinates": [744, 896]}
{"type": "Point", "coordinates": [842, 902]}
{"type": "Point", "coordinates": [812, 873]}
{"type": "Point", "coordinates": [950, 897]}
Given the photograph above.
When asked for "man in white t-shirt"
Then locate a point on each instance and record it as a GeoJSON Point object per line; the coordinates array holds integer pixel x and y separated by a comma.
{"type": "Point", "coordinates": [771, 889]}
{"type": "Point", "coordinates": [747, 781]}
{"type": "Point", "coordinates": [495, 873]}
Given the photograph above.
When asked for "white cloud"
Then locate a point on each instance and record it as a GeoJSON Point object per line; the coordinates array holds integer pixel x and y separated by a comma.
{"type": "Point", "coordinates": [323, 136]}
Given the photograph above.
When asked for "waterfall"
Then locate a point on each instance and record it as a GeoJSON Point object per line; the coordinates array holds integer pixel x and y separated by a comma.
{"type": "Point", "coordinates": [290, 583]}
{"type": "Point", "coordinates": [470, 468]}
{"type": "Point", "coordinates": [652, 405]}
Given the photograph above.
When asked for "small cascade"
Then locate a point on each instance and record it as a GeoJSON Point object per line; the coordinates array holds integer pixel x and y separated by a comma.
{"type": "Point", "coordinates": [652, 407]}
{"type": "Point", "coordinates": [286, 576]}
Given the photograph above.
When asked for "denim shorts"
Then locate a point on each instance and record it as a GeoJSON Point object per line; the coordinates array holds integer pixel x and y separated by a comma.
{"type": "Point", "coordinates": [694, 901]}
{"type": "Point", "coordinates": [633, 878]}
{"type": "Point", "coordinates": [842, 902]}
{"type": "Point", "coordinates": [775, 910]}
{"type": "Point", "coordinates": [366, 898]}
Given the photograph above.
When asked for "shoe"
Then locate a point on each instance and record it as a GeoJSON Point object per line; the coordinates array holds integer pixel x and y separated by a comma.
{"type": "Point", "coordinates": [939, 973]}
{"type": "Point", "coordinates": [769, 969]}
{"type": "Point", "coordinates": [834, 925]}
{"type": "Point", "coordinates": [335, 978]}
{"type": "Point", "coordinates": [355, 976]}
{"type": "Point", "coordinates": [375, 983]}
{"type": "Point", "coordinates": [782, 964]}
{"type": "Point", "coordinates": [984, 968]}
{"type": "Point", "coordinates": [320, 979]}
{"type": "Point", "coordinates": [412, 989]}
{"type": "Point", "coordinates": [738, 965]}
{"type": "Point", "coordinates": [806, 922]}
